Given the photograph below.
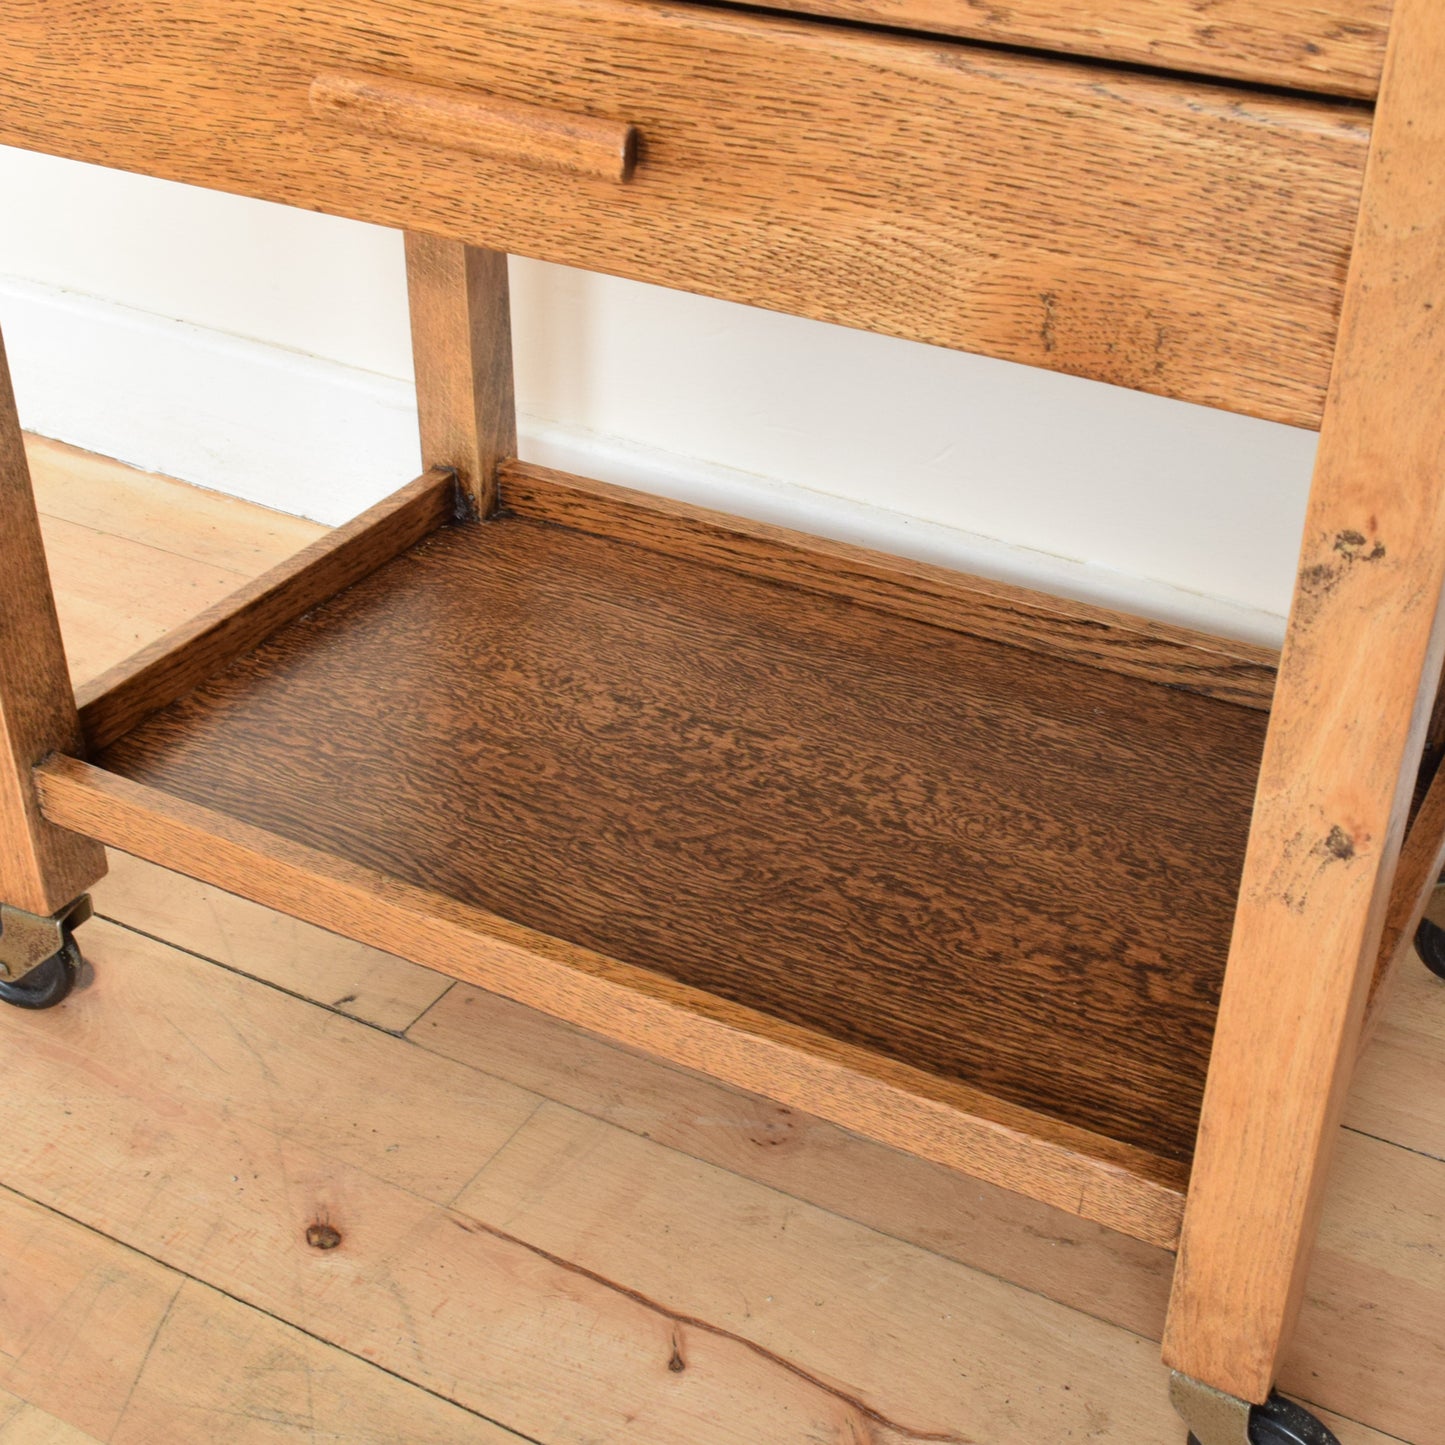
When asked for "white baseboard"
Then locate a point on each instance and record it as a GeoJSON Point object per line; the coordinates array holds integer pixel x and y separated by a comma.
{"type": "Point", "coordinates": [323, 440]}
{"type": "Point", "coordinates": [275, 427]}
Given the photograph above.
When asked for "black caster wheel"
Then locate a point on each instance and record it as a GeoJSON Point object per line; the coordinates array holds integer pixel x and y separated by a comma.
{"type": "Point", "coordinates": [1430, 945]}
{"type": "Point", "coordinates": [47, 984]}
{"type": "Point", "coordinates": [1282, 1422]}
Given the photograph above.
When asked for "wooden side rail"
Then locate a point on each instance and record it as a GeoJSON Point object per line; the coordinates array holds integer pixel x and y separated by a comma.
{"type": "Point", "coordinates": [948, 1122]}
{"type": "Point", "coordinates": [1052, 626]}
{"type": "Point", "coordinates": [119, 699]}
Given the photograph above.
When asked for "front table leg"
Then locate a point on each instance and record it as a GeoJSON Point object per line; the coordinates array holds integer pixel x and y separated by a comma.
{"type": "Point", "coordinates": [44, 870]}
{"type": "Point", "coordinates": [1357, 679]}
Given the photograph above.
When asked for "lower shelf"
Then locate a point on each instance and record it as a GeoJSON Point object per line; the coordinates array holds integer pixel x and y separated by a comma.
{"type": "Point", "coordinates": [971, 898]}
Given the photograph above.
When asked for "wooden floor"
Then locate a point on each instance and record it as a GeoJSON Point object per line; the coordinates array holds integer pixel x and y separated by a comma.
{"type": "Point", "coordinates": [262, 1184]}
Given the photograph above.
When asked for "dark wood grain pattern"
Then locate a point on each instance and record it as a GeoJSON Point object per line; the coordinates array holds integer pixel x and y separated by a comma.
{"type": "Point", "coordinates": [924, 188]}
{"type": "Point", "coordinates": [42, 868]}
{"type": "Point", "coordinates": [117, 700]}
{"type": "Point", "coordinates": [899, 836]}
{"type": "Point", "coordinates": [1051, 626]}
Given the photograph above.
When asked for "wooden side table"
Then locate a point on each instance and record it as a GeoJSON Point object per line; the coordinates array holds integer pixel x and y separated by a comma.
{"type": "Point", "coordinates": [1090, 907]}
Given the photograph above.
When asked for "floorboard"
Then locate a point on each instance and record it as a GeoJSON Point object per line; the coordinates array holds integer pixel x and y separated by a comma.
{"type": "Point", "coordinates": [350, 977]}
{"type": "Point", "coordinates": [136, 1354]}
{"type": "Point", "coordinates": [543, 1237]}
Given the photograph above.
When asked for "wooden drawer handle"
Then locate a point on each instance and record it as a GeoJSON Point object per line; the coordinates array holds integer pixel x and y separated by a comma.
{"type": "Point", "coordinates": [482, 125]}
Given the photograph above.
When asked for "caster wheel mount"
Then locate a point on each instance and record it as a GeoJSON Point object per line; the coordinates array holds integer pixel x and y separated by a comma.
{"type": "Point", "coordinates": [48, 983]}
{"type": "Point", "coordinates": [39, 958]}
{"type": "Point", "coordinates": [1282, 1422]}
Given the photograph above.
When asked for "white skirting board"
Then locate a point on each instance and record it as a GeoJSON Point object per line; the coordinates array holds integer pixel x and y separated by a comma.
{"type": "Point", "coordinates": [323, 440]}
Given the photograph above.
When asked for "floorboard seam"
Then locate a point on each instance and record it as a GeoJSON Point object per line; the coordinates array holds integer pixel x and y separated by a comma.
{"type": "Point", "coordinates": [400, 1034]}
{"type": "Point", "coordinates": [241, 578]}
{"type": "Point", "coordinates": [1395, 1144]}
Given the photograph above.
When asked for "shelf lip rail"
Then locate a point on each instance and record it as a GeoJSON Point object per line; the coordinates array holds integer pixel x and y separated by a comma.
{"type": "Point", "coordinates": [951, 1123]}
{"type": "Point", "coordinates": [120, 699]}
{"type": "Point", "coordinates": [1217, 667]}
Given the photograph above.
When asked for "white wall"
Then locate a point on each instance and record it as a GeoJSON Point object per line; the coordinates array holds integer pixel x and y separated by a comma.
{"type": "Point", "coordinates": [264, 351]}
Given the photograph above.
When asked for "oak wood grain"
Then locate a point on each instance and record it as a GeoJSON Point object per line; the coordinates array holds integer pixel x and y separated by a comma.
{"type": "Point", "coordinates": [1333, 46]}
{"type": "Point", "coordinates": [1357, 678]}
{"type": "Point", "coordinates": [42, 868]}
{"type": "Point", "coordinates": [1051, 626]}
{"type": "Point", "coordinates": [1130, 1189]}
{"type": "Point", "coordinates": [461, 339]}
{"type": "Point", "coordinates": [909, 837]}
{"type": "Point", "coordinates": [529, 135]}
{"type": "Point", "coordinates": [900, 835]}
{"type": "Point", "coordinates": [162, 671]}
{"type": "Point", "coordinates": [923, 188]}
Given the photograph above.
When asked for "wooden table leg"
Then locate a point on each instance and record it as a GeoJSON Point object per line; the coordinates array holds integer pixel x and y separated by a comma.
{"type": "Point", "coordinates": [1356, 683]}
{"type": "Point", "coordinates": [462, 342]}
{"type": "Point", "coordinates": [42, 868]}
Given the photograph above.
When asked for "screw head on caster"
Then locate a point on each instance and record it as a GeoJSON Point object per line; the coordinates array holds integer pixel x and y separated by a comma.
{"type": "Point", "coordinates": [48, 983]}
{"type": "Point", "coordinates": [1281, 1422]}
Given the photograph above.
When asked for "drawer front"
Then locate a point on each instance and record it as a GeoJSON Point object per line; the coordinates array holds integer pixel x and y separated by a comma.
{"type": "Point", "coordinates": [1175, 237]}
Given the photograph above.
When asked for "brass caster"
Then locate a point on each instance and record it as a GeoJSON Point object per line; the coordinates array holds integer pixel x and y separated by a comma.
{"type": "Point", "coordinates": [1215, 1418]}
{"type": "Point", "coordinates": [39, 958]}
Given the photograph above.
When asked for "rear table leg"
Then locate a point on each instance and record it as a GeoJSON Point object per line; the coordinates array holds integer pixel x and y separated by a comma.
{"type": "Point", "coordinates": [461, 334]}
{"type": "Point", "coordinates": [44, 870]}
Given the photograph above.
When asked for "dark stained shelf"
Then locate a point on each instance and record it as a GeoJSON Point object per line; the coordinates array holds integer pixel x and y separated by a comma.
{"type": "Point", "coordinates": [1014, 871]}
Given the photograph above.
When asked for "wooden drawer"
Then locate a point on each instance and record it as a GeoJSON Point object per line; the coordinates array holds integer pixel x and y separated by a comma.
{"type": "Point", "coordinates": [1333, 47]}
{"type": "Point", "coordinates": [926, 189]}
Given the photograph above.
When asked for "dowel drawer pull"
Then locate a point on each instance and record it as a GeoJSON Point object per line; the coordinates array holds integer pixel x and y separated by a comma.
{"type": "Point", "coordinates": [508, 130]}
